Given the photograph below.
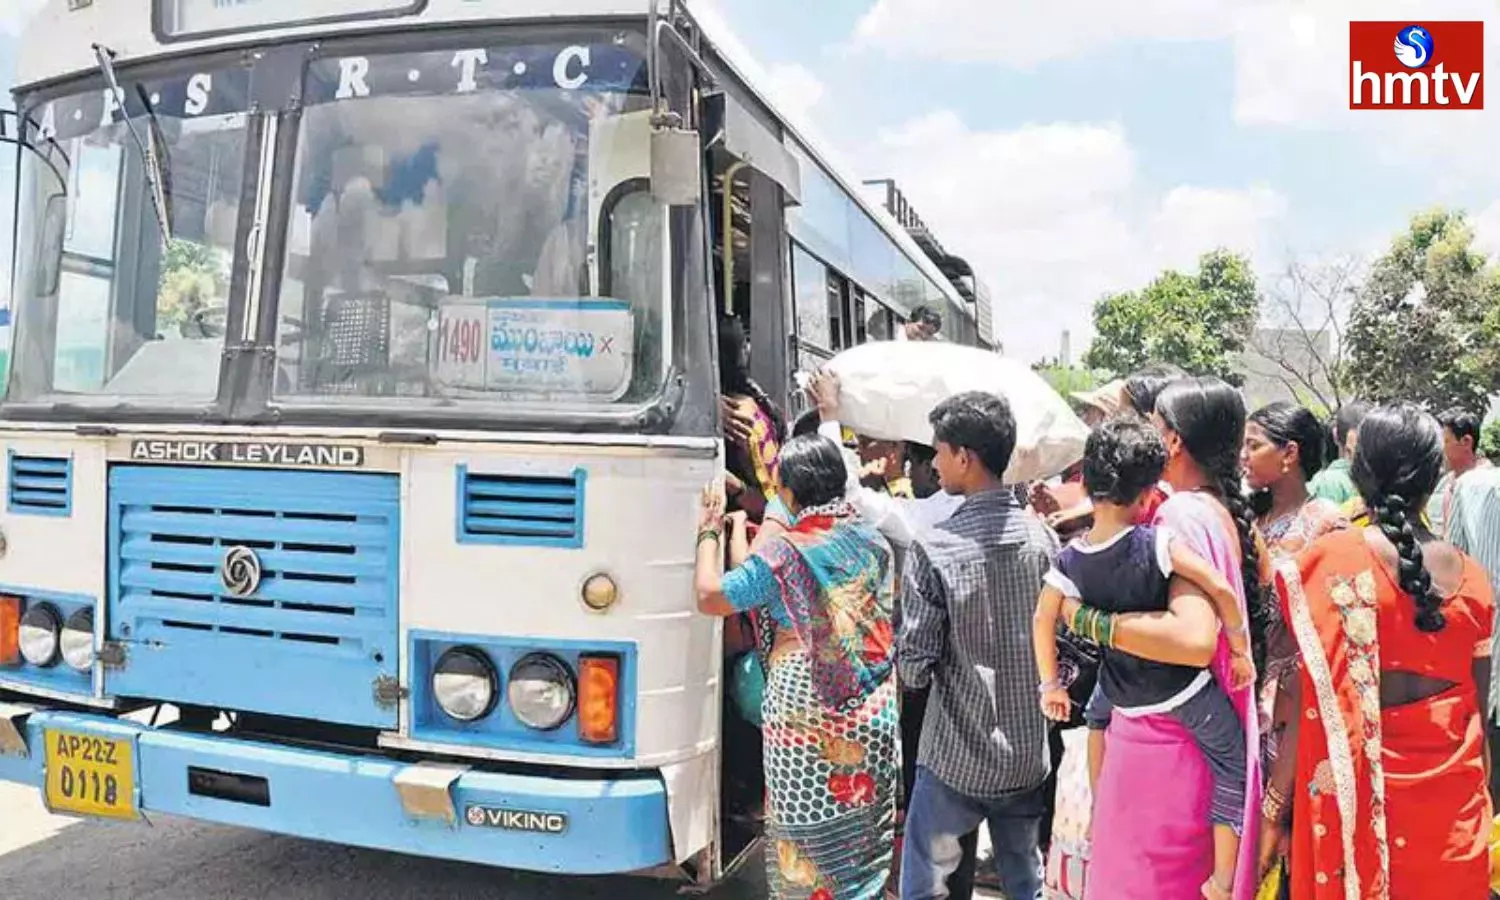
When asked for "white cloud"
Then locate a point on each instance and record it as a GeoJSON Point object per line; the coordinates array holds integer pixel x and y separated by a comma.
{"type": "Point", "coordinates": [15, 14]}
{"type": "Point", "coordinates": [1054, 215]}
{"type": "Point", "coordinates": [1487, 230]}
{"type": "Point", "coordinates": [1023, 33]}
{"type": "Point", "coordinates": [794, 89]}
{"type": "Point", "coordinates": [1291, 58]}
{"type": "Point", "coordinates": [1292, 70]}
{"type": "Point", "coordinates": [1191, 218]}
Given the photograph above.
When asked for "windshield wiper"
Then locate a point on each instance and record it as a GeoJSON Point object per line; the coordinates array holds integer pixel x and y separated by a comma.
{"type": "Point", "coordinates": [156, 173]}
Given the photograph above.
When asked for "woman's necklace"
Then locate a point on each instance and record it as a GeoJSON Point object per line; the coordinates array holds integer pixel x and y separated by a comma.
{"type": "Point", "coordinates": [1275, 526]}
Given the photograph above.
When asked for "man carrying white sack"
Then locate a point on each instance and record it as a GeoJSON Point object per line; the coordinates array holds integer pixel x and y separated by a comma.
{"type": "Point", "coordinates": [897, 518]}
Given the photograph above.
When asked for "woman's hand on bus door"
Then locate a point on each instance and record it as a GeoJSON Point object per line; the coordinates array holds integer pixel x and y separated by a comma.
{"type": "Point", "coordinates": [708, 568]}
{"type": "Point", "coordinates": [711, 510]}
{"type": "Point", "coordinates": [738, 424]}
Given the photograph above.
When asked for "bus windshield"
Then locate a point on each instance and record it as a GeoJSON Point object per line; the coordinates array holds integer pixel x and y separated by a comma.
{"type": "Point", "coordinates": [106, 307]}
{"type": "Point", "coordinates": [467, 226]}
{"type": "Point", "coordinates": [471, 225]}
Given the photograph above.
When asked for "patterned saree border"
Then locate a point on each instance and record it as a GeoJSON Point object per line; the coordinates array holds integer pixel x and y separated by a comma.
{"type": "Point", "coordinates": [1340, 753]}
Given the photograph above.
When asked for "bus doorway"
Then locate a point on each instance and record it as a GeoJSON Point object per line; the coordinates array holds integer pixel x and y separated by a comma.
{"type": "Point", "coordinates": [749, 280]}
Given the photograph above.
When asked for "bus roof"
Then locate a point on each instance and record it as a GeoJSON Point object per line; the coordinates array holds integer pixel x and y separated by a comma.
{"type": "Point", "coordinates": [58, 44]}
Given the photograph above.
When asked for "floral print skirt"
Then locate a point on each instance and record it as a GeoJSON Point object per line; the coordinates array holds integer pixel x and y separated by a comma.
{"type": "Point", "coordinates": [831, 782]}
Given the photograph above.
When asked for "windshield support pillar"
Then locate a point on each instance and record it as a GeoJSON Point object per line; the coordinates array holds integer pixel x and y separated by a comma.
{"type": "Point", "coordinates": [245, 382]}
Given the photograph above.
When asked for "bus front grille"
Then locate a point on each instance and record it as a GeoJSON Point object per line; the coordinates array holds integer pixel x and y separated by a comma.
{"type": "Point", "coordinates": [258, 590]}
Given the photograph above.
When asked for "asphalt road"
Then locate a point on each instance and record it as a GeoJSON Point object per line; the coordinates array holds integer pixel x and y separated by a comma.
{"type": "Point", "coordinates": [44, 857]}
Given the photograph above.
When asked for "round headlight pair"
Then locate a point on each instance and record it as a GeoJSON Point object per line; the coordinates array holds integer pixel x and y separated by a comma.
{"type": "Point", "coordinates": [45, 639]}
{"type": "Point", "coordinates": [541, 689]}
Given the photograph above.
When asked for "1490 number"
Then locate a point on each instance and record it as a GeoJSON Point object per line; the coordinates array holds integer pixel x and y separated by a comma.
{"type": "Point", "coordinates": [461, 341]}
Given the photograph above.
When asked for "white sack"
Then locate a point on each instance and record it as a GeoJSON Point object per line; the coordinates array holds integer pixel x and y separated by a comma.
{"type": "Point", "coordinates": [890, 388]}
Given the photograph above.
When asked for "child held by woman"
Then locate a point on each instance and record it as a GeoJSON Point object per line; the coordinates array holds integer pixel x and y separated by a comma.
{"type": "Point", "coordinates": [1119, 566]}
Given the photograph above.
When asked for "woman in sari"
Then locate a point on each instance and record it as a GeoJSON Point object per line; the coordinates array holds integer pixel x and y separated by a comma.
{"type": "Point", "coordinates": [1151, 834]}
{"type": "Point", "coordinates": [831, 726]}
{"type": "Point", "coordinates": [1383, 773]}
{"type": "Point", "coordinates": [1284, 449]}
{"type": "Point", "coordinates": [753, 427]}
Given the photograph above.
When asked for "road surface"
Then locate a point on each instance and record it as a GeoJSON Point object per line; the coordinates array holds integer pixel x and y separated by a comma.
{"type": "Point", "coordinates": [44, 857]}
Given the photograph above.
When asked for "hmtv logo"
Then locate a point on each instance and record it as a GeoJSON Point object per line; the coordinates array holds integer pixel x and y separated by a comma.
{"type": "Point", "coordinates": [1432, 65]}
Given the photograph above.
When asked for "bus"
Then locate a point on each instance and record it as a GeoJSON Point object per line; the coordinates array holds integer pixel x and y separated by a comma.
{"type": "Point", "coordinates": [363, 384]}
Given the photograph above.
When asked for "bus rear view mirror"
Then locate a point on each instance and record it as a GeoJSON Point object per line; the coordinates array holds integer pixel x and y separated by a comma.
{"type": "Point", "coordinates": [676, 166]}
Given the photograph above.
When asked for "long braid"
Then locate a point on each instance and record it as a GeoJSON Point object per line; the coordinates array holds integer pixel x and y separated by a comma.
{"type": "Point", "coordinates": [1240, 510]}
{"type": "Point", "coordinates": [1392, 516]}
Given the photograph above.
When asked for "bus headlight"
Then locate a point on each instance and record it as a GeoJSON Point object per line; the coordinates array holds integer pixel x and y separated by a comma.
{"type": "Point", "coordinates": [465, 685]}
{"type": "Point", "coordinates": [541, 691]}
{"type": "Point", "coordinates": [78, 640]}
{"type": "Point", "coordinates": [39, 636]}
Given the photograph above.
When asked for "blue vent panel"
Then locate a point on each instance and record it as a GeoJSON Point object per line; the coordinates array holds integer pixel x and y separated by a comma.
{"type": "Point", "coordinates": [39, 485]}
{"type": "Point", "coordinates": [520, 510]}
{"type": "Point", "coordinates": [309, 638]}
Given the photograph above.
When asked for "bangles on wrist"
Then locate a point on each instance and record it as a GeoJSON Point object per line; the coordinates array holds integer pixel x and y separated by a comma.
{"type": "Point", "coordinates": [1274, 804]}
{"type": "Point", "coordinates": [1094, 625]}
{"type": "Point", "coordinates": [708, 534]}
{"type": "Point", "coordinates": [1049, 686]}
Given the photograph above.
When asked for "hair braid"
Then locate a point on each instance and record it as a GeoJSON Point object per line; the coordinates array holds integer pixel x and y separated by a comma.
{"type": "Point", "coordinates": [1391, 514]}
{"type": "Point", "coordinates": [1255, 595]}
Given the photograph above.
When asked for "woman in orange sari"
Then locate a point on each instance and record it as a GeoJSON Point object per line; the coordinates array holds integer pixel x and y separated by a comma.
{"type": "Point", "coordinates": [1383, 773]}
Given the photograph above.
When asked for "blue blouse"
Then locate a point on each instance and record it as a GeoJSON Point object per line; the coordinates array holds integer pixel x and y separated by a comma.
{"type": "Point", "coordinates": [753, 585]}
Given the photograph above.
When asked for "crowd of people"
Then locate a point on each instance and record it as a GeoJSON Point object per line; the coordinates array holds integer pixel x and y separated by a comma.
{"type": "Point", "coordinates": [1276, 633]}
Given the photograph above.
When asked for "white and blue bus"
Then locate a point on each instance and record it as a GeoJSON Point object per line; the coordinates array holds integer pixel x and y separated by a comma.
{"type": "Point", "coordinates": [363, 381]}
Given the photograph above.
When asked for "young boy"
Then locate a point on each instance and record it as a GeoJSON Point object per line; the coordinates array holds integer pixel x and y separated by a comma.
{"type": "Point", "coordinates": [1121, 567]}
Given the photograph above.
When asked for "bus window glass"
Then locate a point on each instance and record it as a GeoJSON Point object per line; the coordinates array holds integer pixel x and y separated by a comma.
{"type": "Point", "coordinates": [837, 319]}
{"type": "Point", "coordinates": [475, 225]}
{"type": "Point", "coordinates": [874, 254]}
{"type": "Point", "coordinates": [133, 317]}
{"type": "Point", "coordinates": [822, 221]}
{"type": "Point", "coordinates": [810, 286]}
{"type": "Point", "coordinates": [877, 321]}
{"type": "Point", "coordinates": [908, 291]}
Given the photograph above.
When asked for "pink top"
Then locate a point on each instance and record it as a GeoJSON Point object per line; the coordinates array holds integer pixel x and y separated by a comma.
{"type": "Point", "coordinates": [1152, 837]}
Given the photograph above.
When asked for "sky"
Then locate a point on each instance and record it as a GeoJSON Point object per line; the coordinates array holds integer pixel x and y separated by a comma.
{"type": "Point", "coordinates": [1077, 147]}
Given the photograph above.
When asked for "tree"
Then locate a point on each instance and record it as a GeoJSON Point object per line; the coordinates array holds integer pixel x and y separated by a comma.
{"type": "Point", "coordinates": [1426, 323]}
{"type": "Point", "coordinates": [1066, 379]}
{"type": "Point", "coordinates": [1301, 342]}
{"type": "Point", "coordinates": [1198, 322]}
{"type": "Point", "coordinates": [193, 278]}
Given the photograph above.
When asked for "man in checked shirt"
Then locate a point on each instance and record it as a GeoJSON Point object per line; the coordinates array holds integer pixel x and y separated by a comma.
{"type": "Point", "coordinates": [968, 593]}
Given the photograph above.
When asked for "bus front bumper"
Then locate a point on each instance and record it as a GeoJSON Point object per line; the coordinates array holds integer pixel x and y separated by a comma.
{"type": "Point", "coordinates": [528, 822]}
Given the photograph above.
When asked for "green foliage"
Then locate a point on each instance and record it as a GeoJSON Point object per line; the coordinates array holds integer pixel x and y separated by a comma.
{"type": "Point", "coordinates": [193, 277]}
{"type": "Point", "coordinates": [1489, 441]}
{"type": "Point", "coordinates": [1199, 322]}
{"type": "Point", "coordinates": [1426, 323]}
{"type": "Point", "coordinates": [1067, 379]}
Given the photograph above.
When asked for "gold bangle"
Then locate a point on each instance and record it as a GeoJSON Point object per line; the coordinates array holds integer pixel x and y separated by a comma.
{"type": "Point", "coordinates": [1274, 804]}
{"type": "Point", "coordinates": [708, 534]}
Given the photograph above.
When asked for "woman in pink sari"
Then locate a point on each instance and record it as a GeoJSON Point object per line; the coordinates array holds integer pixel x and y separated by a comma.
{"type": "Point", "coordinates": [1152, 838]}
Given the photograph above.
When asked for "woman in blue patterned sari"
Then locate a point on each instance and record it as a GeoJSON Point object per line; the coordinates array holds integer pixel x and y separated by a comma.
{"type": "Point", "coordinates": [831, 724]}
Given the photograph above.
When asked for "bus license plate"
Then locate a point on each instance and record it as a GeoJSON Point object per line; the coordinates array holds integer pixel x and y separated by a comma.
{"type": "Point", "coordinates": [90, 776]}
